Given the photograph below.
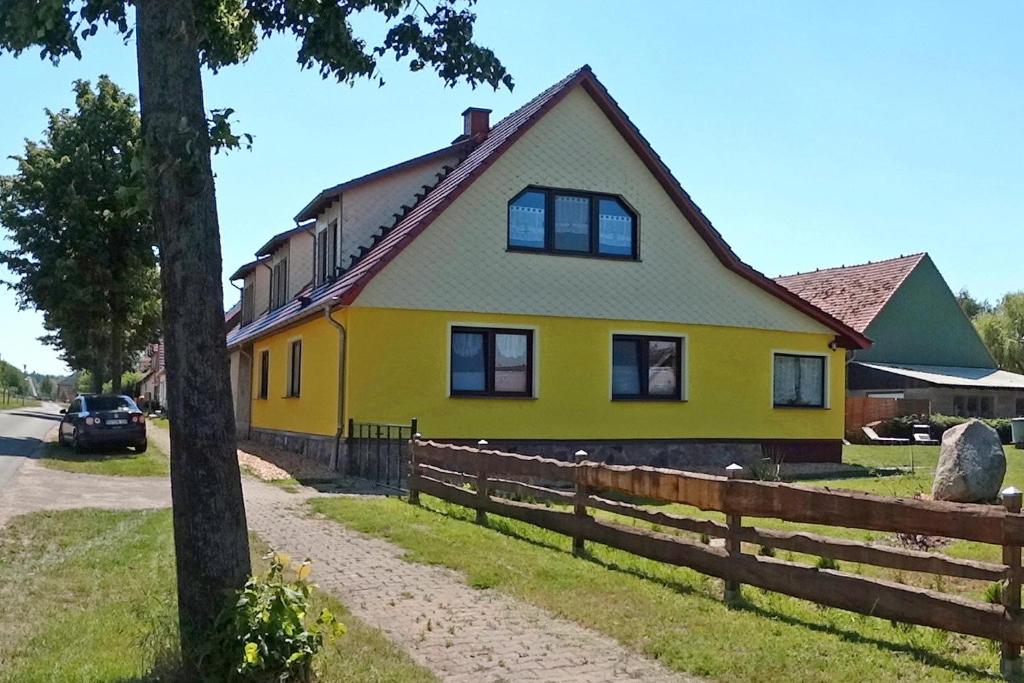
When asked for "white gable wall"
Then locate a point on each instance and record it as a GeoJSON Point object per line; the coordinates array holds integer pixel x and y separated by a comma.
{"type": "Point", "coordinates": [460, 262]}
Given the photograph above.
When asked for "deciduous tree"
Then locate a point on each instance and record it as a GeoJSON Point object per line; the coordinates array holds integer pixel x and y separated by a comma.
{"type": "Point", "coordinates": [84, 251]}
{"type": "Point", "coordinates": [174, 40]}
{"type": "Point", "coordinates": [1002, 330]}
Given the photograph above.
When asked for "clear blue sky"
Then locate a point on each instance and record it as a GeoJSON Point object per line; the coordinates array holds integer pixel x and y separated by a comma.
{"type": "Point", "coordinates": [812, 134]}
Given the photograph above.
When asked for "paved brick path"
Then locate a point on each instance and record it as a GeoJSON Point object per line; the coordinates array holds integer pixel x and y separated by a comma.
{"type": "Point", "coordinates": [459, 633]}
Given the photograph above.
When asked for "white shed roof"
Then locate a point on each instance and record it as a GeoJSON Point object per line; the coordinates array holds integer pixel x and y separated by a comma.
{"type": "Point", "coordinates": [981, 378]}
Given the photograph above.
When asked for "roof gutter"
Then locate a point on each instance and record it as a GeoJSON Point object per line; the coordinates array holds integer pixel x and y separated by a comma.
{"type": "Point", "coordinates": [342, 339]}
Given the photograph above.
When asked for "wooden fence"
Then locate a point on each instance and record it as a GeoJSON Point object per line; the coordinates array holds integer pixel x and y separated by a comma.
{"type": "Point", "coordinates": [863, 410]}
{"type": "Point", "coordinates": [485, 479]}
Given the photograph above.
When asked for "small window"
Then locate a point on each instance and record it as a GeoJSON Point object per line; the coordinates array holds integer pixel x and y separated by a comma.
{"type": "Point", "coordinates": [526, 221]}
{"type": "Point", "coordinates": [322, 257]}
{"type": "Point", "coordinates": [295, 369]}
{"type": "Point", "coordinates": [332, 267]}
{"type": "Point", "coordinates": [491, 362]}
{"type": "Point", "coordinates": [570, 222]}
{"type": "Point", "coordinates": [647, 367]}
{"type": "Point", "coordinates": [264, 373]}
{"type": "Point", "coordinates": [799, 381]}
{"type": "Point", "coordinates": [248, 305]}
{"type": "Point", "coordinates": [279, 284]}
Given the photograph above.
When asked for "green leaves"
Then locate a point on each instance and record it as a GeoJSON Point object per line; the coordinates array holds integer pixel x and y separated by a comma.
{"type": "Point", "coordinates": [76, 211]}
{"type": "Point", "coordinates": [265, 633]}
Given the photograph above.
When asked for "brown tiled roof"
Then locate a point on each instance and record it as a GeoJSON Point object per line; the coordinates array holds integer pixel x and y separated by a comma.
{"type": "Point", "coordinates": [854, 294]}
{"type": "Point", "coordinates": [503, 135]}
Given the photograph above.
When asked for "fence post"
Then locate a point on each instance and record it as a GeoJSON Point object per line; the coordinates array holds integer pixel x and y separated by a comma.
{"type": "Point", "coordinates": [414, 478]}
{"type": "Point", "coordinates": [482, 493]}
{"type": "Point", "coordinates": [579, 501]}
{"type": "Point", "coordinates": [732, 542]}
{"type": "Point", "coordinates": [1010, 665]}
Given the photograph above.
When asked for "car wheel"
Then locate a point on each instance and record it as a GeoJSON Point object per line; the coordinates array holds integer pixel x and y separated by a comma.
{"type": "Point", "coordinates": [141, 446]}
{"type": "Point", "coordinates": [76, 443]}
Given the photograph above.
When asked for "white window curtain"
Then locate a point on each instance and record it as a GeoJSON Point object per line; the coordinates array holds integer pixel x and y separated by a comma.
{"type": "Point", "coordinates": [812, 381]}
{"type": "Point", "coordinates": [616, 234]}
{"type": "Point", "coordinates": [510, 362]}
{"type": "Point", "coordinates": [785, 380]}
{"type": "Point", "coordinates": [468, 365]}
{"type": "Point", "coordinates": [526, 226]}
{"type": "Point", "coordinates": [572, 222]}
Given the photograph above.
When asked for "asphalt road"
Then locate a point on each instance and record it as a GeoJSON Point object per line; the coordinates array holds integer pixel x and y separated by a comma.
{"type": "Point", "coordinates": [21, 431]}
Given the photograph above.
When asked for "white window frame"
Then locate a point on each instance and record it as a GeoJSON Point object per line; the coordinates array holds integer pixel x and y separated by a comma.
{"type": "Point", "coordinates": [827, 404]}
{"type": "Point", "coordinates": [535, 360]}
{"type": "Point", "coordinates": [684, 368]}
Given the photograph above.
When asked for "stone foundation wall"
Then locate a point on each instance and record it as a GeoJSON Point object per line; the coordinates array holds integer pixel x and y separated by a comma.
{"type": "Point", "coordinates": [318, 450]}
{"type": "Point", "coordinates": [704, 456]}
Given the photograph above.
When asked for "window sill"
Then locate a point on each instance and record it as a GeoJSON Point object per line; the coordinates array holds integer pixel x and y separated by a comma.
{"type": "Point", "coordinates": [291, 396]}
{"type": "Point", "coordinates": [515, 397]}
{"type": "Point", "coordinates": [648, 399]}
{"type": "Point", "coordinates": [572, 254]}
{"type": "Point", "coordinates": [786, 406]}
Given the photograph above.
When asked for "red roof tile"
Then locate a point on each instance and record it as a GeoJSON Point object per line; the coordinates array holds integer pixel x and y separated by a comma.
{"type": "Point", "coordinates": [345, 290]}
{"type": "Point", "coordinates": [854, 294]}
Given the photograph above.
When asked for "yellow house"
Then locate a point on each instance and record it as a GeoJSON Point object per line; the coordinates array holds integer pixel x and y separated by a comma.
{"type": "Point", "coordinates": [545, 284]}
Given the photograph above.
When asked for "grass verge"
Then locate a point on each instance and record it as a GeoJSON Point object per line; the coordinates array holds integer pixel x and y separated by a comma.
{"type": "Point", "coordinates": [117, 462]}
{"type": "Point", "coordinates": [676, 614]}
{"type": "Point", "coordinates": [10, 403]}
{"type": "Point", "coordinates": [88, 595]}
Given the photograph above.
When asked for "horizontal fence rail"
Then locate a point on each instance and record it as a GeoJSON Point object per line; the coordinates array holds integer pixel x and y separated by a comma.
{"type": "Point", "coordinates": [490, 481]}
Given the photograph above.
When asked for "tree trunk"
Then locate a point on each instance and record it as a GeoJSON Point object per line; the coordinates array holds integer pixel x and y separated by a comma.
{"type": "Point", "coordinates": [116, 342]}
{"type": "Point", "coordinates": [210, 537]}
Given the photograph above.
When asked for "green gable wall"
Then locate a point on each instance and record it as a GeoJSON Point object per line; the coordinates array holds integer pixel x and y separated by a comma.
{"type": "Point", "coordinates": [922, 324]}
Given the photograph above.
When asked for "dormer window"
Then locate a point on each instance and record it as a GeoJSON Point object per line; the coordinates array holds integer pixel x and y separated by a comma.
{"type": "Point", "coordinates": [570, 222]}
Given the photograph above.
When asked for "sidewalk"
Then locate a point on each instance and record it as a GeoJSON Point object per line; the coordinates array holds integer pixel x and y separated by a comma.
{"type": "Point", "coordinates": [458, 632]}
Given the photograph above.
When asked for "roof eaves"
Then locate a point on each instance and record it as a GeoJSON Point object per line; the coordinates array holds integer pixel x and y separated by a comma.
{"type": "Point", "coordinates": [281, 237]}
{"type": "Point", "coordinates": [245, 269]}
{"type": "Point", "coordinates": [317, 204]}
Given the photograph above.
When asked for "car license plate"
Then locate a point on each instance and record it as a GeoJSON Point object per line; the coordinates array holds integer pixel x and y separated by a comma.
{"type": "Point", "coordinates": [117, 422]}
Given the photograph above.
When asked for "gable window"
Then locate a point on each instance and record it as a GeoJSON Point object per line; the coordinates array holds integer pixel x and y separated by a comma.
{"type": "Point", "coordinates": [332, 267]}
{"type": "Point", "coordinates": [295, 369]}
{"type": "Point", "coordinates": [645, 367]}
{"type": "Point", "coordinates": [279, 284]}
{"type": "Point", "coordinates": [570, 222]}
{"type": "Point", "coordinates": [798, 381]}
{"type": "Point", "coordinates": [264, 374]}
{"type": "Point", "coordinates": [491, 362]}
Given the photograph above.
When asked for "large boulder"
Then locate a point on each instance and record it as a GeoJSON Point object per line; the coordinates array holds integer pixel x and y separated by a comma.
{"type": "Point", "coordinates": [971, 464]}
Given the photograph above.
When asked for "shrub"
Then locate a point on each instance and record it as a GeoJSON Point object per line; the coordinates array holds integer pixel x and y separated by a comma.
{"type": "Point", "coordinates": [903, 426]}
{"type": "Point", "coordinates": [266, 634]}
{"type": "Point", "coordinates": [994, 593]}
{"type": "Point", "coordinates": [827, 563]}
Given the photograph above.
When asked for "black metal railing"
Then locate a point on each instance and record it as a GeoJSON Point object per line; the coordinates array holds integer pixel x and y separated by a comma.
{"type": "Point", "coordinates": [379, 452]}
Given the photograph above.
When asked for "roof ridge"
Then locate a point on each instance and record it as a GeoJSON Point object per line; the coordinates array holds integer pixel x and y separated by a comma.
{"type": "Point", "coordinates": [901, 257]}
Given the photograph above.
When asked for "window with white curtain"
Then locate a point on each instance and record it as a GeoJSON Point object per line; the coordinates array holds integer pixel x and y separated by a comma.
{"type": "Point", "coordinates": [572, 222]}
{"type": "Point", "coordinates": [491, 362]}
{"type": "Point", "coordinates": [799, 381]}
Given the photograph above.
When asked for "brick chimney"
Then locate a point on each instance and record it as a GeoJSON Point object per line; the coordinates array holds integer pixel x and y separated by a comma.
{"type": "Point", "coordinates": [476, 123]}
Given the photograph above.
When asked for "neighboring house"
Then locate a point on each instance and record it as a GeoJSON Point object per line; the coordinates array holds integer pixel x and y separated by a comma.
{"type": "Point", "coordinates": [924, 347]}
{"type": "Point", "coordinates": [545, 284]}
{"type": "Point", "coordinates": [67, 388]}
{"type": "Point", "coordinates": [153, 385]}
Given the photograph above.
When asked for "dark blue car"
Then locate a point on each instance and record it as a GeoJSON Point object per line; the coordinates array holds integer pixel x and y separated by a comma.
{"type": "Point", "coordinates": [102, 420]}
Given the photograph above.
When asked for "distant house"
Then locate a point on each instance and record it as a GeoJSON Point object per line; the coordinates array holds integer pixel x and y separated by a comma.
{"type": "Point", "coordinates": [544, 283]}
{"type": "Point", "coordinates": [924, 347]}
{"type": "Point", "coordinates": [67, 388]}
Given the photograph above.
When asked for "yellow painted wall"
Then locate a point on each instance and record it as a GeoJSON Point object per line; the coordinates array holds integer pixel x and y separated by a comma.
{"type": "Point", "coordinates": [315, 410]}
{"type": "Point", "coordinates": [398, 369]}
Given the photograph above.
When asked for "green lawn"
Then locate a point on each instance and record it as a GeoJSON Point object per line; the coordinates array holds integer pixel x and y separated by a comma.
{"type": "Point", "coordinates": [10, 403]}
{"type": "Point", "coordinates": [676, 614]}
{"type": "Point", "coordinates": [122, 462]}
{"type": "Point", "coordinates": [88, 595]}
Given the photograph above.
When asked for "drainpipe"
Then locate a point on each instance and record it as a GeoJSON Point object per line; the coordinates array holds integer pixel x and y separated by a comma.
{"type": "Point", "coordinates": [341, 378]}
